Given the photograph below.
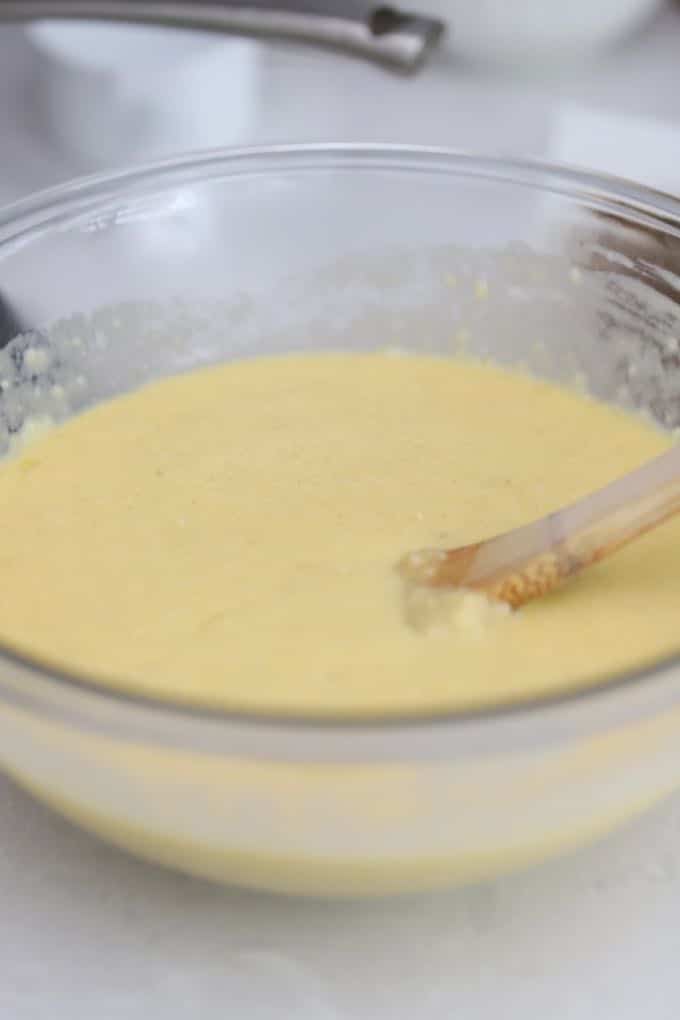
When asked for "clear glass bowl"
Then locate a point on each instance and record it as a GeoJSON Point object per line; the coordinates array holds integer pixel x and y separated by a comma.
{"type": "Point", "coordinates": [143, 274]}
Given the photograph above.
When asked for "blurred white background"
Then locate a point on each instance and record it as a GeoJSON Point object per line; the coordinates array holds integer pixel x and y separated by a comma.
{"type": "Point", "coordinates": [76, 98]}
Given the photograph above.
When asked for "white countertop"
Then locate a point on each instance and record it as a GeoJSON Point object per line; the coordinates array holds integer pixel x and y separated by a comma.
{"type": "Point", "coordinates": [86, 932]}
{"type": "Point", "coordinates": [89, 933]}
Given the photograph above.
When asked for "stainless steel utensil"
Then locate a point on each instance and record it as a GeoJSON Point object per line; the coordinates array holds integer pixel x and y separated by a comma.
{"type": "Point", "coordinates": [376, 31]}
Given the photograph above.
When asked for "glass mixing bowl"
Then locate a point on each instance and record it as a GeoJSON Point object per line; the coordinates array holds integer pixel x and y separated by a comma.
{"type": "Point", "coordinates": [126, 278]}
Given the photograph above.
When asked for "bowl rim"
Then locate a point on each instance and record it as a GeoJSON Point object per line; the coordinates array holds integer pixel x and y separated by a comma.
{"type": "Point", "coordinates": [29, 683]}
{"type": "Point", "coordinates": [47, 206]}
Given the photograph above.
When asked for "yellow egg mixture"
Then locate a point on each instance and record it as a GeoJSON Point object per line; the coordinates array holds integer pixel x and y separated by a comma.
{"type": "Point", "coordinates": [230, 536]}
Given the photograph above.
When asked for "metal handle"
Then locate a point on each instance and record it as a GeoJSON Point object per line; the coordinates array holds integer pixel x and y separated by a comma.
{"type": "Point", "coordinates": [377, 32]}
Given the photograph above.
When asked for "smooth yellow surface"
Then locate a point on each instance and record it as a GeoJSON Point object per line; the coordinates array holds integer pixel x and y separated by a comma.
{"type": "Point", "coordinates": [230, 536]}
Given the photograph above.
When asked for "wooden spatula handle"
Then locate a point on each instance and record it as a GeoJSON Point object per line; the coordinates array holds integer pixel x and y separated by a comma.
{"type": "Point", "coordinates": [531, 561]}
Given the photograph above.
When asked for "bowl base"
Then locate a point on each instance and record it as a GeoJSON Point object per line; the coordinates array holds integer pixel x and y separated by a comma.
{"type": "Point", "coordinates": [325, 877]}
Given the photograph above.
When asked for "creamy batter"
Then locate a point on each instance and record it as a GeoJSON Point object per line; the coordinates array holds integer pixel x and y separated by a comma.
{"type": "Point", "coordinates": [230, 536]}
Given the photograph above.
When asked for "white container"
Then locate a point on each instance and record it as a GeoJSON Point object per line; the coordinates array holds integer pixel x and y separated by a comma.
{"type": "Point", "coordinates": [114, 93]}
